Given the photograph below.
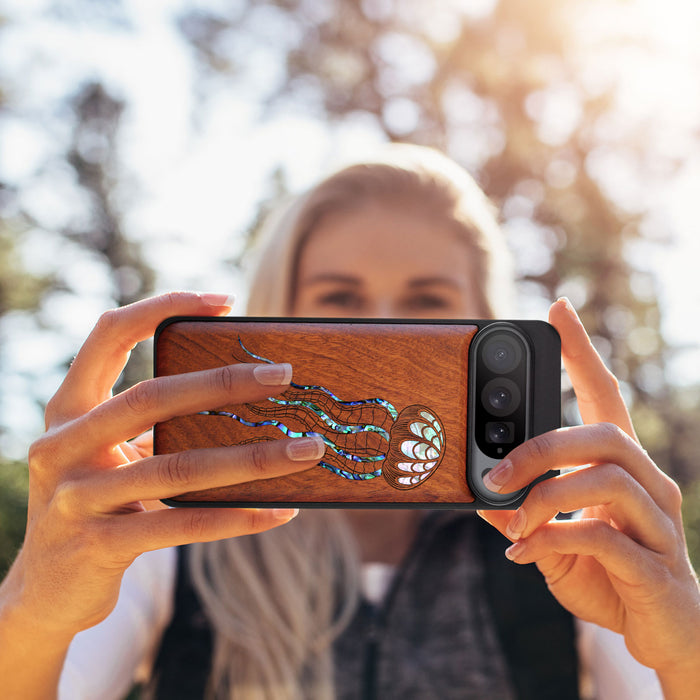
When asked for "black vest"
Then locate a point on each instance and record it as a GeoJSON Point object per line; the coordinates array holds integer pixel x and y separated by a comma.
{"type": "Point", "coordinates": [534, 634]}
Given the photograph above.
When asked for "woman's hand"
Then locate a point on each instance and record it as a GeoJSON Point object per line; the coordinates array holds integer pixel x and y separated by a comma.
{"type": "Point", "coordinates": [88, 514]}
{"type": "Point", "coordinates": [623, 564]}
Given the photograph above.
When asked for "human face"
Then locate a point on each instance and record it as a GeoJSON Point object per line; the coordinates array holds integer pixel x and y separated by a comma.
{"type": "Point", "coordinates": [385, 261]}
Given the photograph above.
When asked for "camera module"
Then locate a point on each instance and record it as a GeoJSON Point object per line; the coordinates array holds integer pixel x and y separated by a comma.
{"type": "Point", "coordinates": [514, 368]}
{"type": "Point", "coordinates": [501, 389]}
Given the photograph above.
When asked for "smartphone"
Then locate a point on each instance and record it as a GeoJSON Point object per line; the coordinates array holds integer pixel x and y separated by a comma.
{"type": "Point", "coordinates": [413, 413]}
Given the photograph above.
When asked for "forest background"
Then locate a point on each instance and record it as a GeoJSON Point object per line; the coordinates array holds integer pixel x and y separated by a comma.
{"type": "Point", "coordinates": [140, 143]}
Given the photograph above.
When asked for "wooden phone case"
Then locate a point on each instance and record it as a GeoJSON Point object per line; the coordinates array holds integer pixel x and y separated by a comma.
{"type": "Point", "coordinates": [389, 398]}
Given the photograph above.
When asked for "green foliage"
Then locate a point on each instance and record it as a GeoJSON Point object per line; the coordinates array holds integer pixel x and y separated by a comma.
{"type": "Point", "coordinates": [18, 289]}
{"type": "Point", "coordinates": [14, 483]}
{"type": "Point", "coordinates": [691, 521]}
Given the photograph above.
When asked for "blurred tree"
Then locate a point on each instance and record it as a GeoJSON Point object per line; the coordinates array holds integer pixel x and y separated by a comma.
{"type": "Point", "coordinates": [94, 156]}
{"type": "Point", "coordinates": [502, 88]}
{"type": "Point", "coordinates": [18, 291]}
{"type": "Point", "coordinates": [96, 234]}
{"type": "Point", "coordinates": [91, 236]}
{"type": "Point", "coordinates": [13, 510]}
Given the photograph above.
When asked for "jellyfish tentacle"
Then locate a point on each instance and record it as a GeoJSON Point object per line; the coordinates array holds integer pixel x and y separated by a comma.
{"type": "Point", "coordinates": [393, 412]}
{"type": "Point", "coordinates": [366, 414]}
{"type": "Point", "coordinates": [352, 476]}
{"type": "Point", "coordinates": [365, 402]}
{"type": "Point", "coordinates": [352, 448]}
{"type": "Point", "coordinates": [365, 439]}
{"type": "Point", "coordinates": [328, 420]}
{"type": "Point", "coordinates": [297, 433]}
{"type": "Point", "coordinates": [258, 424]}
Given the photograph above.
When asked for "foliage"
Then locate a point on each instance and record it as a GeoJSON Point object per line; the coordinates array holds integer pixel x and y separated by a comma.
{"type": "Point", "coordinates": [14, 483]}
{"type": "Point", "coordinates": [18, 289]}
{"type": "Point", "coordinates": [691, 521]}
{"type": "Point", "coordinates": [93, 155]}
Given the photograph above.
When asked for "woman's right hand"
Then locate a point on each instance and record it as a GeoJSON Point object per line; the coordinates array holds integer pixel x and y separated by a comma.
{"type": "Point", "coordinates": [88, 516]}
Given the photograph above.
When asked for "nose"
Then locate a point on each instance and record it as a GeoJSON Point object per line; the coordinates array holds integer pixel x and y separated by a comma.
{"type": "Point", "coordinates": [384, 308]}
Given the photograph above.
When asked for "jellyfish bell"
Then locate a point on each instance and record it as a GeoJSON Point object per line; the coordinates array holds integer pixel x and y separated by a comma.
{"type": "Point", "coordinates": [416, 448]}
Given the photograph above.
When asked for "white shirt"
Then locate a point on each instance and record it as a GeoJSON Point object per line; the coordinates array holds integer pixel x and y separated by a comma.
{"type": "Point", "coordinates": [104, 661]}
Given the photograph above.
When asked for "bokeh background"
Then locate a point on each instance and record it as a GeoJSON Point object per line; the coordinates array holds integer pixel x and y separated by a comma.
{"type": "Point", "coordinates": [141, 141]}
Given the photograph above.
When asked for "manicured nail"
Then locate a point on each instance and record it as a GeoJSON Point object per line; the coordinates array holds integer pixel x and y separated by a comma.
{"type": "Point", "coordinates": [218, 299]}
{"type": "Point", "coordinates": [273, 375]}
{"type": "Point", "coordinates": [517, 525]}
{"type": "Point", "coordinates": [499, 476]}
{"type": "Point", "coordinates": [515, 550]}
{"type": "Point", "coordinates": [285, 514]}
{"type": "Point", "coordinates": [306, 448]}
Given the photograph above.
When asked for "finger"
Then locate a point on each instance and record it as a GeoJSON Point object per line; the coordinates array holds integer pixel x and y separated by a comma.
{"type": "Point", "coordinates": [131, 452]}
{"type": "Point", "coordinates": [102, 357]}
{"type": "Point", "coordinates": [143, 532]}
{"type": "Point", "coordinates": [138, 448]}
{"type": "Point", "coordinates": [614, 550]}
{"type": "Point", "coordinates": [606, 486]}
{"type": "Point", "coordinates": [143, 444]}
{"type": "Point", "coordinates": [596, 388]}
{"type": "Point", "coordinates": [166, 476]}
{"type": "Point", "coordinates": [583, 444]}
{"type": "Point", "coordinates": [154, 400]}
{"type": "Point", "coordinates": [497, 518]}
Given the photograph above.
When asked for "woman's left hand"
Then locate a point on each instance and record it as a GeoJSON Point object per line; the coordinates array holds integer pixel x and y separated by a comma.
{"type": "Point", "coordinates": [623, 564]}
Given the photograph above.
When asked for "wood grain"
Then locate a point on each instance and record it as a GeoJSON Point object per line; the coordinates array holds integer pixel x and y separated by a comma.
{"type": "Point", "coordinates": [405, 364]}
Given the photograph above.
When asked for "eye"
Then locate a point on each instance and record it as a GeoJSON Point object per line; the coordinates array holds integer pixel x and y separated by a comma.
{"type": "Point", "coordinates": [341, 299]}
{"type": "Point", "coordinates": [427, 302]}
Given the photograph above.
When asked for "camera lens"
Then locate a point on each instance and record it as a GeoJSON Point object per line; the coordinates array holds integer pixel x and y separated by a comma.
{"type": "Point", "coordinates": [499, 432]}
{"type": "Point", "coordinates": [502, 353]}
{"type": "Point", "coordinates": [500, 396]}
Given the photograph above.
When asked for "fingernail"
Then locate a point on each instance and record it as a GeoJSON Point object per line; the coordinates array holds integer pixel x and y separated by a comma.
{"type": "Point", "coordinates": [273, 375]}
{"type": "Point", "coordinates": [517, 525]}
{"type": "Point", "coordinates": [498, 476]}
{"type": "Point", "coordinates": [218, 299]}
{"type": "Point", "coordinates": [569, 306]}
{"type": "Point", "coordinates": [304, 449]}
{"type": "Point", "coordinates": [515, 550]}
{"type": "Point", "coordinates": [285, 514]}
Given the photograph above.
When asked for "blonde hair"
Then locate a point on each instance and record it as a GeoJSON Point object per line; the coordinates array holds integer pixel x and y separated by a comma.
{"type": "Point", "coordinates": [277, 600]}
{"type": "Point", "coordinates": [405, 174]}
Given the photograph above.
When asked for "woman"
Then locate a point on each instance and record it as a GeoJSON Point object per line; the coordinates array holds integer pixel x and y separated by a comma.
{"type": "Point", "coordinates": [410, 237]}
